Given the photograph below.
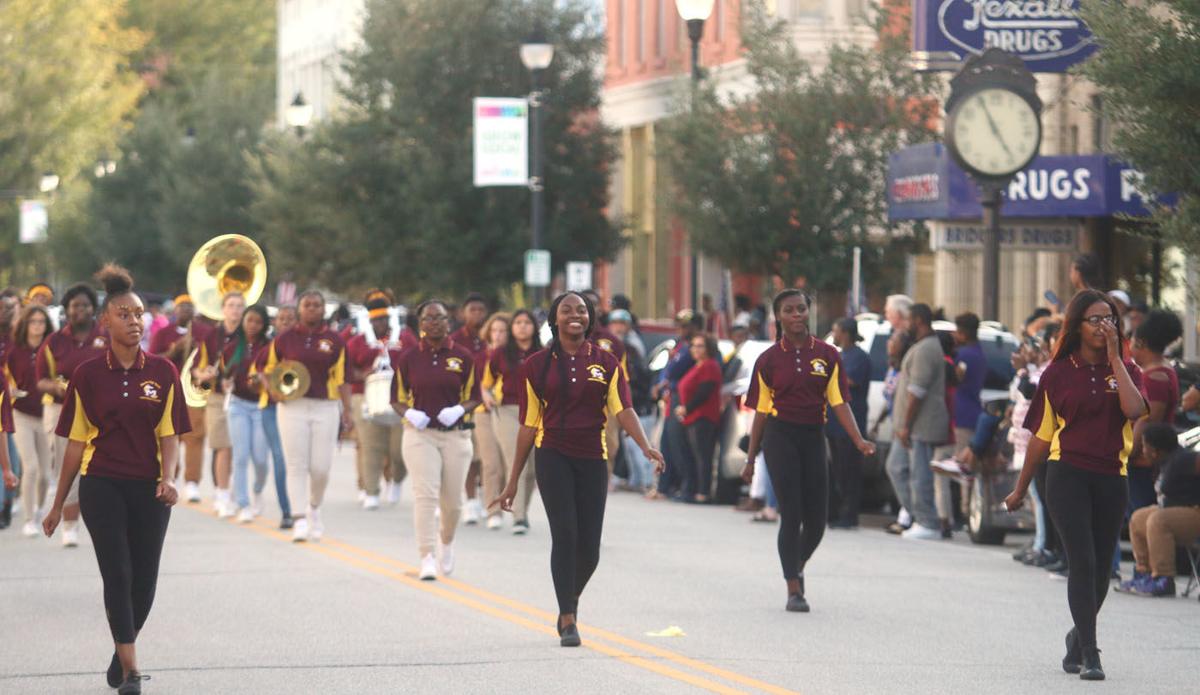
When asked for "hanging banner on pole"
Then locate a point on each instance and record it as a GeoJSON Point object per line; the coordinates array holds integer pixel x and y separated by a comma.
{"type": "Point", "coordinates": [34, 221]}
{"type": "Point", "coordinates": [501, 142]}
{"type": "Point", "coordinates": [579, 276]}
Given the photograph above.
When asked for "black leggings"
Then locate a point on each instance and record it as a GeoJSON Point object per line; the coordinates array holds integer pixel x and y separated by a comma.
{"type": "Point", "coordinates": [127, 525]}
{"type": "Point", "coordinates": [573, 491]}
{"type": "Point", "coordinates": [800, 477]}
{"type": "Point", "coordinates": [1088, 509]}
{"type": "Point", "coordinates": [702, 442]}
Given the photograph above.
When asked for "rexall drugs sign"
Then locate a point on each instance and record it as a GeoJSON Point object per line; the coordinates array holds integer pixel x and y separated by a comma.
{"type": "Point", "coordinates": [501, 142]}
{"type": "Point", "coordinates": [1047, 34]}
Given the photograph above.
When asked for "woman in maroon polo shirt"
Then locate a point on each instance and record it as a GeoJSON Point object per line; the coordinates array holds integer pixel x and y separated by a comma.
{"type": "Point", "coordinates": [246, 432]}
{"type": "Point", "coordinates": [700, 413]}
{"type": "Point", "coordinates": [32, 444]}
{"type": "Point", "coordinates": [1082, 419]}
{"type": "Point", "coordinates": [569, 390]}
{"type": "Point", "coordinates": [503, 377]}
{"type": "Point", "coordinates": [794, 381]}
{"type": "Point", "coordinates": [80, 340]}
{"type": "Point", "coordinates": [123, 415]}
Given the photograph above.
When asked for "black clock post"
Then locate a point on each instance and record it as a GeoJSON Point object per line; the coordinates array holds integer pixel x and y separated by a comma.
{"type": "Point", "coordinates": [993, 70]}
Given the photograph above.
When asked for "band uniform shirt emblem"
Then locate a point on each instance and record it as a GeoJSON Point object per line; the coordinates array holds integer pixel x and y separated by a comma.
{"type": "Point", "coordinates": [596, 373]}
{"type": "Point", "coordinates": [454, 364]}
{"type": "Point", "coordinates": [150, 391]}
{"type": "Point", "coordinates": [820, 367]}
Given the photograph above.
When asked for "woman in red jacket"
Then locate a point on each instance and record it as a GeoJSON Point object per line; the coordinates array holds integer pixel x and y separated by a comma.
{"type": "Point", "coordinates": [700, 412]}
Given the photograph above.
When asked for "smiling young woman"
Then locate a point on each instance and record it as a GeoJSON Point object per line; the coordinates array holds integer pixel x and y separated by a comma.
{"type": "Point", "coordinates": [123, 413]}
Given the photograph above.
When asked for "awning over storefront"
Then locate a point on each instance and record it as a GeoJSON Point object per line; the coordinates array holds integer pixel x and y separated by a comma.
{"type": "Point", "coordinates": [925, 184]}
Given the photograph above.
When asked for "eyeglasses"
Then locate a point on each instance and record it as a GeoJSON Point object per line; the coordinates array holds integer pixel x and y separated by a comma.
{"type": "Point", "coordinates": [1098, 319]}
{"type": "Point", "coordinates": [434, 319]}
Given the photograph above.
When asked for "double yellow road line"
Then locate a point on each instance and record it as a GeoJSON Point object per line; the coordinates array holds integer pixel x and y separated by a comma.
{"type": "Point", "coordinates": [652, 658]}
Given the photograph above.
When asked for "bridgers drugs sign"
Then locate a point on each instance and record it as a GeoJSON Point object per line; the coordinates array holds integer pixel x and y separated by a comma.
{"type": "Point", "coordinates": [1047, 34]}
{"type": "Point", "coordinates": [501, 142]}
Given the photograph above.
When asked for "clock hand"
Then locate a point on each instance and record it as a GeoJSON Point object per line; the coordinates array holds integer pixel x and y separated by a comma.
{"type": "Point", "coordinates": [995, 129]}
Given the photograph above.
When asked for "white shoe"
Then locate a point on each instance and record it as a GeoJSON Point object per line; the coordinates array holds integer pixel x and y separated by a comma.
{"type": "Point", "coordinates": [16, 507]}
{"type": "Point", "coordinates": [474, 512]}
{"type": "Point", "coordinates": [370, 503]}
{"type": "Point", "coordinates": [922, 533]}
{"type": "Point", "coordinates": [256, 503]}
{"type": "Point", "coordinates": [246, 516]}
{"type": "Point", "coordinates": [428, 569]}
{"type": "Point", "coordinates": [393, 493]}
{"type": "Point", "coordinates": [31, 530]}
{"type": "Point", "coordinates": [191, 492]}
{"type": "Point", "coordinates": [70, 535]}
{"type": "Point", "coordinates": [446, 552]}
{"type": "Point", "coordinates": [494, 522]}
{"type": "Point", "coordinates": [520, 528]}
{"type": "Point", "coordinates": [904, 518]}
{"type": "Point", "coordinates": [315, 523]}
{"type": "Point", "coordinates": [362, 495]}
{"type": "Point", "coordinates": [300, 531]}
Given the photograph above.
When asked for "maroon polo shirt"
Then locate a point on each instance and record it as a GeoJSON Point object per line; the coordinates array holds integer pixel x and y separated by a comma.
{"type": "Point", "coordinates": [166, 338]}
{"type": "Point", "coordinates": [6, 412]}
{"type": "Point", "coordinates": [361, 355]}
{"type": "Point", "coordinates": [795, 382]}
{"type": "Point", "coordinates": [61, 354]}
{"type": "Point", "coordinates": [1162, 384]}
{"type": "Point", "coordinates": [217, 347]}
{"type": "Point", "coordinates": [1077, 409]}
{"type": "Point", "coordinates": [503, 377]}
{"type": "Point", "coordinates": [244, 375]}
{"type": "Point", "coordinates": [22, 367]}
{"type": "Point", "coordinates": [429, 380]}
{"type": "Point", "coordinates": [568, 398]}
{"type": "Point", "coordinates": [605, 340]}
{"type": "Point", "coordinates": [121, 414]}
{"type": "Point", "coordinates": [321, 351]}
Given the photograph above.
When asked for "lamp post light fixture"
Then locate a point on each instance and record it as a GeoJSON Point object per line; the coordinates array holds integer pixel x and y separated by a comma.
{"type": "Point", "coordinates": [695, 13]}
{"type": "Point", "coordinates": [299, 114]}
{"type": "Point", "coordinates": [536, 55]}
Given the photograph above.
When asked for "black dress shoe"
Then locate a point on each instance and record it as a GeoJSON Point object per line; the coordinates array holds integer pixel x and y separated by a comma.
{"type": "Point", "coordinates": [797, 604]}
{"type": "Point", "coordinates": [1073, 661]}
{"type": "Point", "coordinates": [569, 636]}
{"type": "Point", "coordinates": [1059, 565]}
{"type": "Point", "coordinates": [114, 672]}
{"type": "Point", "coordinates": [1092, 670]}
{"type": "Point", "coordinates": [286, 523]}
{"type": "Point", "coordinates": [132, 684]}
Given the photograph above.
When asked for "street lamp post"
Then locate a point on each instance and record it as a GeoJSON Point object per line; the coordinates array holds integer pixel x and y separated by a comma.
{"type": "Point", "coordinates": [299, 114]}
{"type": "Point", "coordinates": [536, 54]}
{"type": "Point", "coordinates": [695, 12]}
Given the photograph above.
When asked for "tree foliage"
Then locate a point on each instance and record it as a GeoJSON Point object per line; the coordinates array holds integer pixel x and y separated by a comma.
{"type": "Point", "coordinates": [1146, 74]}
{"type": "Point", "coordinates": [787, 179]}
{"type": "Point", "coordinates": [383, 194]}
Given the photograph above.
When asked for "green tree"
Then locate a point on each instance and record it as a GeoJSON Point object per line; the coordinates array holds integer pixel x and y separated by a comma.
{"type": "Point", "coordinates": [386, 188]}
{"type": "Point", "coordinates": [1146, 75]}
{"type": "Point", "coordinates": [787, 179]}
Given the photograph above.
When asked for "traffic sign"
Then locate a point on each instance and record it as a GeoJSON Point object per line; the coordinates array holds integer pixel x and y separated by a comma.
{"type": "Point", "coordinates": [537, 268]}
{"type": "Point", "coordinates": [579, 276]}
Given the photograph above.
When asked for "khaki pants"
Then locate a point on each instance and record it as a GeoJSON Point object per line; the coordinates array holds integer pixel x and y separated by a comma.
{"type": "Point", "coordinates": [193, 446]}
{"type": "Point", "coordinates": [495, 477]}
{"type": "Point", "coordinates": [308, 429]}
{"type": "Point", "coordinates": [437, 463]}
{"type": "Point", "coordinates": [379, 449]}
{"type": "Point", "coordinates": [506, 423]}
{"type": "Point", "coordinates": [1155, 531]}
{"type": "Point", "coordinates": [33, 446]}
{"type": "Point", "coordinates": [216, 422]}
{"type": "Point", "coordinates": [58, 450]}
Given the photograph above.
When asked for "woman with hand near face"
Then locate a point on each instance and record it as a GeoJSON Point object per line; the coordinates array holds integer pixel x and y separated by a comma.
{"type": "Point", "coordinates": [123, 414]}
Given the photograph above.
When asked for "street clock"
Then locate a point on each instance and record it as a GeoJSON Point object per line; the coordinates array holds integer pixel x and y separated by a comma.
{"type": "Point", "coordinates": [993, 117]}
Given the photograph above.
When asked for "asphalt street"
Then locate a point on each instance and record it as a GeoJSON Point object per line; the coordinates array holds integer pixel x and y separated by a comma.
{"type": "Point", "coordinates": [240, 609]}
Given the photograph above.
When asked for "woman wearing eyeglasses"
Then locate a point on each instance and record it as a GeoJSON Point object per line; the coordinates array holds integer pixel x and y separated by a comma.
{"type": "Point", "coordinates": [1082, 418]}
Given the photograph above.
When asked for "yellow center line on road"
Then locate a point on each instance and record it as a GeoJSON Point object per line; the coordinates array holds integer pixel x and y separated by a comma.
{"type": "Point", "coordinates": [407, 576]}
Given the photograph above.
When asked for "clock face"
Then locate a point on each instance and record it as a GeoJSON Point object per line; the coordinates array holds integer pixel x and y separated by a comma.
{"type": "Point", "coordinates": [995, 131]}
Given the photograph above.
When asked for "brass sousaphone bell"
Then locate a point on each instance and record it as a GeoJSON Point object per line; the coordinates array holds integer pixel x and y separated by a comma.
{"type": "Point", "coordinates": [288, 380]}
{"type": "Point", "coordinates": [224, 264]}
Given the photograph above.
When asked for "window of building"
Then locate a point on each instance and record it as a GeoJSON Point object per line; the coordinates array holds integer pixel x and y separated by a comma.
{"type": "Point", "coordinates": [660, 25]}
{"type": "Point", "coordinates": [639, 31]}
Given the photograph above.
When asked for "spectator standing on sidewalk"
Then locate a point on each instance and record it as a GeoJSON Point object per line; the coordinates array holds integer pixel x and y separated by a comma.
{"type": "Point", "coordinates": [846, 458]}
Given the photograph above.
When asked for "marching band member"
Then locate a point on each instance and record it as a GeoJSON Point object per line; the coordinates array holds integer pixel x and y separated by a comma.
{"type": "Point", "coordinates": [285, 319]}
{"type": "Point", "coordinates": [569, 391]}
{"type": "Point", "coordinates": [123, 413]}
{"type": "Point", "coordinates": [218, 354]}
{"type": "Point", "coordinates": [435, 390]}
{"type": "Point", "coordinates": [246, 431]}
{"type": "Point", "coordinates": [474, 311]}
{"type": "Point", "coordinates": [40, 293]}
{"type": "Point", "coordinates": [32, 443]}
{"type": "Point", "coordinates": [175, 342]}
{"type": "Point", "coordinates": [308, 425]}
{"type": "Point", "coordinates": [78, 341]}
{"type": "Point", "coordinates": [502, 387]}
{"type": "Point", "coordinates": [495, 332]}
{"type": "Point", "coordinates": [379, 446]}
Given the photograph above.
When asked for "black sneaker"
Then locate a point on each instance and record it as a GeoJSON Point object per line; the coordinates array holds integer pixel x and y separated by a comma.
{"type": "Point", "coordinates": [569, 636]}
{"type": "Point", "coordinates": [1073, 661]}
{"type": "Point", "coordinates": [1092, 670]}
{"type": "Point", "coordinates": [286, 523]}
{"type": "Point", "coordinates": [132, 684]}
{"type": "Point", "coordinates": [1059, 565]}
{"type": "Point", "coordinates": [114, 672]}
{"type": "Point", "coordinates": [1023, 552]}
{"type": "Point", "coordinates": [797, 604]}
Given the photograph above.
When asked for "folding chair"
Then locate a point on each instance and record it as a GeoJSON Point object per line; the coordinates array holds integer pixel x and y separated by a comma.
{"type": "Point", "coordinates": [1193, 554]}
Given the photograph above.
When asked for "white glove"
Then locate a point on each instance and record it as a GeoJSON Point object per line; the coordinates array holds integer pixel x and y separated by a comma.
{"type": "Point", "coordinates": [451, 415]}
{"type": "Point", "coordinates": [418, 419]}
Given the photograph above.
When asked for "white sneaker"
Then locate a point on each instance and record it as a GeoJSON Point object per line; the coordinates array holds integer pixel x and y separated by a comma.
{"type": "Point", "coordinates": [371, 503]}
{"type": "Point", "coordinates": [904, 518]}
{"type": "Point", "coordinates": [473, 513]}
{"type": "Point", "coordinates": [393, 493]}
{"type": "Point", "coordinates": [256, 504]}
{"type": "Point", "coordinates": [315, 523]}
{"type": "Point", "coordinates": [362, 495]}
{"type": "Point", "coordinates": [922, 533]}
{"type": "Point", "coordinates": [428, 569]}
{"type": "Point", "coordinates": [446, 551]}
{"type": "Point", "coordinates": [246, 516]}
{"type": "Point", "coordinates": [31, 530]}
{"type": "Point", "coordinates": [300, 530]}
{"type": "Point", "coordinates": [191, 492]}
{"type": "Point", "coordinates": [494, 522]}
{"type": "Point", "coordinates": [520, 528]}
{"type": "Point", "coordinates": [70, 535]}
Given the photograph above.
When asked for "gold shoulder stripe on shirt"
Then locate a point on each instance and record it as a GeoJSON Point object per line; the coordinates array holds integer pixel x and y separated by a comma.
{"type": "Point", "coordinates": [82, 430]}
{"type": "Point", "coordinates": [613, 402]}
{"type": "Point", "coordinates": [766, 397]}
{"type": "Point", "coordinates": [833, 389]}
{"type": "Point", "coordinates": [337, 376]}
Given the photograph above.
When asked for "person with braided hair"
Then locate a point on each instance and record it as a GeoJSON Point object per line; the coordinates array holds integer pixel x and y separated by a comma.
{"type": "Point", "coordinates": [568, 392]}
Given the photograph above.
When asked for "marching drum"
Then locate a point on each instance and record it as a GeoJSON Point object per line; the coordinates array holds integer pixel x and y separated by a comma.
{"type": "Point", "coordinates": [377, 399]}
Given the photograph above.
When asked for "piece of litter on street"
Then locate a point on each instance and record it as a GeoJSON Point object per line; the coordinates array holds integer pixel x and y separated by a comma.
{"type": "Point", "coordinates": [672, 631]}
